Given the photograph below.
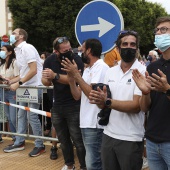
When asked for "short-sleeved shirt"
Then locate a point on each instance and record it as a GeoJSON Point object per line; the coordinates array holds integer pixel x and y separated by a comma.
{"type": "Point", "coordinates": [88, 112]}
{"type": "Point", "coordinates": [25, 54]}
{"type": "Point", "coordinates": [158, 124]}
{"type": "Point", "coordinates": [124, 126]}
{"type": "Point", "coordinates": [62, 92]}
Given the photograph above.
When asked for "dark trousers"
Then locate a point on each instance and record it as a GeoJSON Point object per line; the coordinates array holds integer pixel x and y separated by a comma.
{"type": "Point", "coordinates": [66, 122]}
{"type": "Point", "coordinates": [121, 155]}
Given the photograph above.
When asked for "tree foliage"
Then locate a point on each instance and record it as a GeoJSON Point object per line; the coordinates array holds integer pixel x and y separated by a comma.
{"type": "Point", "coordinates": [44, 20]}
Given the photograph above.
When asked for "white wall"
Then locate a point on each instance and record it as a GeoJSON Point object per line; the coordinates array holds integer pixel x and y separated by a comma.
{"type": "Point", "coordinates": [2, 18]}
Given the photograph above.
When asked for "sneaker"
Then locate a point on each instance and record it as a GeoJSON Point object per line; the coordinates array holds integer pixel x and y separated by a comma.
{"type": "Point", "coordinates": [13, 148]}
{"type": "Point", "coordinates": [1, 140]}
{"type": "Point", "coordinates": [53, 155]}
{"type": "Point", "coordinates": [65, 167]}
{"type": "Point", "coordinates": [37, 151]}
{"type": "Point", "coordinates": [145, 163]}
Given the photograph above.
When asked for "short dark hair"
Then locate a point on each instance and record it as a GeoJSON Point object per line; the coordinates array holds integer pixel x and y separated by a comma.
{"type": "Point", "coordinates": [162, 19]}
{"type": "Point", "coordinates": [126, 33]}
{"type": "Point", "coordinates": [95, 46]}
{"type": "Point", "coordinates": [24, 33]}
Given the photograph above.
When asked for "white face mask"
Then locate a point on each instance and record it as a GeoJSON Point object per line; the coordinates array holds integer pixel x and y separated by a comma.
{"type": "Point", "coordinates": [12, 39]}
{"type": "Point", "coordinates": [162, 42]}
{"type": "Point", "coordinates": [3, 54]}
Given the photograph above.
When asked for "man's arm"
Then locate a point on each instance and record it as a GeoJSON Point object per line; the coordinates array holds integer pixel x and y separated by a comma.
{"type": "Point", "coordinates": [126, 106]}
{"type": "Point", "coordinates": [145, 102]}
{"type": "Point", "coordinates": [75, 90]}
{"type": "Point", "coordinates": [31, 73]}
{"type": "Point", "coordinates": [48, 76]}
{"type": "Point", "coordinates": [86, 88]}
{"type": "Point", "coordinates": [130, 106]}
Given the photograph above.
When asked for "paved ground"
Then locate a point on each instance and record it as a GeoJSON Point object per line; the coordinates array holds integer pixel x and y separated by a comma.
{"type": "Point", "coordinates": [21, 161]}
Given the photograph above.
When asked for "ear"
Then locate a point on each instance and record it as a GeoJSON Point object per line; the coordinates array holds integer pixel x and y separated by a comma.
{"type": "Point", "coordinates": [21, 36]}
{"type": "Point", "coordinates": [56, 52]}
{"type": "Point", "coordinates": [88, 50]}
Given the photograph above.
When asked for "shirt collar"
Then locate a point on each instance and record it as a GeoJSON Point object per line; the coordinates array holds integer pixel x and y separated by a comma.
{"type": "Point", "coordinates": [21, 44]}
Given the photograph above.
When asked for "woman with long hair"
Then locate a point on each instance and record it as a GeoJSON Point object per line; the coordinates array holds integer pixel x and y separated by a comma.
{"type": "Point", "coordinates": [8, 71]}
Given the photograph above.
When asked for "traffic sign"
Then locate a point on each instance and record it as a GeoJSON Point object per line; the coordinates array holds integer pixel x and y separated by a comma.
{"type": "Point", "coordinates": [5, 38]}
{"type": "Point", "coordinates": [4, 43]}
{"type": "Point", "coordinates": [99, 19]}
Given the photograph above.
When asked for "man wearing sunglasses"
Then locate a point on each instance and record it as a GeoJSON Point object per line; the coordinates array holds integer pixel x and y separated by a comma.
{"type": "Point", "coordinates": [155, 87]}
{"type": "Point", "coordinates": [66, 110]}
{"type": "Point", "coordinates": [122, 142]}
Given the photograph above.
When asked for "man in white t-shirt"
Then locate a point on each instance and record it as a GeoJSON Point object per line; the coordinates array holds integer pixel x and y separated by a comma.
{"type": "Point", "coordinates": [122, 142]}
{"type": "Point", "coordinates": [94, 73]}
{"type": "Point", "coordinates": [30, 69]}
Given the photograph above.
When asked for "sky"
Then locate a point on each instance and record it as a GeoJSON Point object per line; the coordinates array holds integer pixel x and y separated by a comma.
{"type": "Point", "coordinates": [165, 4]}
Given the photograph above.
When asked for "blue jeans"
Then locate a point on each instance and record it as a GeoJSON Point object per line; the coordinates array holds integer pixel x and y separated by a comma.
{"type": "Point", "coordinates": [158, 155]}
{"type": "Point", "coordinates": [92, 138]}
{"type": "Point", "coordinates": [10, 97]}
{"type": "Point", "coordinates": [33, 120]}
{"type": "Point", "coordinates": [65, 119]}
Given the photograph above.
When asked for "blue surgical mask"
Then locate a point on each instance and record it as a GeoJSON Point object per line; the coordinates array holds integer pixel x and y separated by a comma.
{"type": "Point", "coordinates": [3, 54]}
{"type": "Point", "coordinates": [162, 42]}
{"type": "Point", "coordinates": [12, 39]}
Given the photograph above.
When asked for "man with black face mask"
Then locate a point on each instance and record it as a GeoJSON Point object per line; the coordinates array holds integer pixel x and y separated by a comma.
{"type": "Point", "coordinates": [122, 142]}
{"type": "Point", "coordinates": [94, 73]}
{"type": "Point", "coordinates": [66, 110]}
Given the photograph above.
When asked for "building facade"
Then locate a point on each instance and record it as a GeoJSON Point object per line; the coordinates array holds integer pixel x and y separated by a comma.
{"type": "Point", "coordinates": [5, 19]}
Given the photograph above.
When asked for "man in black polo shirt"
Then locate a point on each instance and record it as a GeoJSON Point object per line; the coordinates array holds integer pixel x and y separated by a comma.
{"type": "Point", "coordinates": [65, 111]}
{"type": "Point", "coordinates": [155, 87]}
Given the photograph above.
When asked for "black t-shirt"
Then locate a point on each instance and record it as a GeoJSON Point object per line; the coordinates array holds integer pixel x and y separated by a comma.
{"type": "Point", "coordinates": [62, 92]}
{"type": "Point", "coordinates": [158, 125]}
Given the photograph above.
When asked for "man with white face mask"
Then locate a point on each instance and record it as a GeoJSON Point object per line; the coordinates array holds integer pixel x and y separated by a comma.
{"type": "Point", "coordinates": [155, 87]}
{"type": "Point", "coordinates": [30, 68]}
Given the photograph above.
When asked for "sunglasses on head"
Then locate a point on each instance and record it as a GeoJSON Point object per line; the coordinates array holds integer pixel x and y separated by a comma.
{"type": "Point", "coordinates": [62, 39]}
{"type": "Point", "coordinates": [127, 31]}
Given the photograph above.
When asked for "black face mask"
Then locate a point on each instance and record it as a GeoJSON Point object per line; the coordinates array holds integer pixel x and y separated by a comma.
{"type": "Point", "coordinates": [68, 55]}
{"type": "Point", "coordinates": [85, 58]}
{"type": "Point", "coordinates": [128, 54]}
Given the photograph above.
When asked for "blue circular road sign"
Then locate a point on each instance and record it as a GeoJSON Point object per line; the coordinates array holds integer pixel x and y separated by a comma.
{"type": "Point", "coordinates": [99, 19]}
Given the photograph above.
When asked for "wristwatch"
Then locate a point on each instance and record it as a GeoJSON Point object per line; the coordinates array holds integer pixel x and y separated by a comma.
{"type": "Point", "coordinates": [57, 76]}
{"type": "Point", "coordinates": [168, 92]}
{"type": "Point", "coordinates": [20, 82]}
{"type": "Point", "coordinates": [108, 102]}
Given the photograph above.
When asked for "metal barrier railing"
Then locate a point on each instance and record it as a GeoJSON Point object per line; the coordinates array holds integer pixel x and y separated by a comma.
{"type": "Point", "coordinates": [30, 92]}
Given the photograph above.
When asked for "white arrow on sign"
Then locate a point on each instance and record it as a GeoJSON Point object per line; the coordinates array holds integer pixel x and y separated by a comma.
{"type": "Point", "coordinates": [103, 27]}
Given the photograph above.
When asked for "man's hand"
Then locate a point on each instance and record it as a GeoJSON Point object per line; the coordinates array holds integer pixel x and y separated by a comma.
{"type": "Point", "coordinates": [98, 97]}
{"type": "Point", "coordinates": [142, 81]}
{"type": "Point", "coordinates": [70, 67]}
{"type": "Point", "coordinates": [48, 74]}
{"type": "Point", "coordinates": [159, 83]}
{"type": "Point", "coordinates": [14, 86]}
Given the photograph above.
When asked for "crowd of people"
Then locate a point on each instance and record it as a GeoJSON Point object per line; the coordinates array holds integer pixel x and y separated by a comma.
{"type": "Point", "coordinates": [98, 106]}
